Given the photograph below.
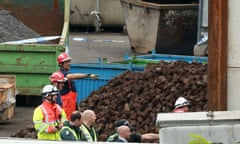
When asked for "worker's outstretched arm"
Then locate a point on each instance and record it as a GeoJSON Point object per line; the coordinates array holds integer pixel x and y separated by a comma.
{"type": "Point", "coordinates": [150, 136]}
{"type": "Point", "coordinates": [80, 76]}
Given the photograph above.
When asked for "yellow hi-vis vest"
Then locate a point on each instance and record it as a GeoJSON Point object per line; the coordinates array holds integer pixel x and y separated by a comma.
{"type": "Point", "coordinates": [45, 117]}
{"type": "Point", "coordinates": [87, 135]}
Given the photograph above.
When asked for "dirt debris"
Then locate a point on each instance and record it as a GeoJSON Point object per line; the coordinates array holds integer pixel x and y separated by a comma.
{"type": "Point", "coordinates": [139, 96]}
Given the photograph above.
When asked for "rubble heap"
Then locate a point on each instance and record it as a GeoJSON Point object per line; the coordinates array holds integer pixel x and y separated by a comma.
{"type": "Point", "coordinates": [11, 29]}
{"type": "Point", "coordinates": [138, 97]}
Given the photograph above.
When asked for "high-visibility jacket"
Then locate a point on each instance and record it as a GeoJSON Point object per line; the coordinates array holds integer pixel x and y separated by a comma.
{"type": "Point", "coordinates": [112, 137]}
{"type": "Point", "coordinates": [134, 137]}
{"type": "Point", "coordinates": [69, 103]}
{"type": "Point", "coordinates": [68, 96]}
{"type": "Point", "coordinates": [88, 134]}
{"type": "Point", "coordinates": [45, 118]}
{"type": "Point", "coordinates": [70, 132]}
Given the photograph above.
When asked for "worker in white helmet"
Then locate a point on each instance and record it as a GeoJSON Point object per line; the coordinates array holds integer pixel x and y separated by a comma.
{"type": "Point", "coordinates": [48, 118]}
{"type": "Point", "coordinates": [181, 105]}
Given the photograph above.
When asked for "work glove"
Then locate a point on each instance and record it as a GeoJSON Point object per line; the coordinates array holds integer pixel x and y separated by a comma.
{"type": "Point", "coordinates": [93, 76]}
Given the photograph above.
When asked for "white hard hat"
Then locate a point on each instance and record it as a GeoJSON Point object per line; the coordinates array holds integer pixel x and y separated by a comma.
{"type": "Point", "coordinates": [49, 90]}
{"type": "Point", "coordinates": [180, 102]}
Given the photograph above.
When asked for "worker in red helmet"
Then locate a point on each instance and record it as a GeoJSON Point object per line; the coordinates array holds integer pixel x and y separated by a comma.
{"type": "Point", "coordinates": [57, 79]}
{"type": "Point", "coordinates": [68, 92]}
{"type": "Point", "coordinates": [181, 105]}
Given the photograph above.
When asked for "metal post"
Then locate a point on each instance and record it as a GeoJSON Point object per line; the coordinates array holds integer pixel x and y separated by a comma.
{"type": "Point", "coordinates": [200, 5]}
{"type": "Point", "coordinates": [97, 10]}
{"type": "Point", "coordinates": [202, 18]}
{"type": "Point", "coordinates": [217, 55]}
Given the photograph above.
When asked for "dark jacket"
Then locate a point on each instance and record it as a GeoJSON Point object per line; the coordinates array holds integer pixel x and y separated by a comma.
{"type": "Point", "coordinates": [68, 85]}
{"type": "Point", "coordinates": [118, 139]}
{"type": "Point", "coordinates": [70, 132]}
{"type": "Point", "coordinates": [133, 138]}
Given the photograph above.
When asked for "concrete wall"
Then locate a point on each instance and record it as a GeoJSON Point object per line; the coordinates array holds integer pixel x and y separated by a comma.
{"type": "Point", "coordinates": [221, 134]}
{"type": "Point", "coordinates": [233, 55]}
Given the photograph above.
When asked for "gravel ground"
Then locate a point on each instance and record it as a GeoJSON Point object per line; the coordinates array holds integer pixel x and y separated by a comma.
{"type": "Point", "coordinates": [22, 117]}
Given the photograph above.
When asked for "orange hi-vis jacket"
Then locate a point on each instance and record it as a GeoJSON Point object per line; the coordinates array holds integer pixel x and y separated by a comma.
{"type": "Point", "coordinates": [68, 96]}
{"type": "Point", "coordinates": [45, 118]}
{"type": "Point", "coordinates": [69, 103]}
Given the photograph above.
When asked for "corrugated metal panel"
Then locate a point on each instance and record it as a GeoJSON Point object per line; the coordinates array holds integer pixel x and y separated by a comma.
{"type": "Point", "coordinates": [170, 58]}
{"type": "Point", "coordinates": [86, 86]}
{"type": "Point", "coordinates": [105, 73]}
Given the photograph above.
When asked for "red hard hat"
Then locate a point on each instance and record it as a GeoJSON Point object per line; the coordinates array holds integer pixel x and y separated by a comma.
{"type": "Point", "coordinates": [57, 77]}
{"type": "Point", "coordinates": [63, 57]}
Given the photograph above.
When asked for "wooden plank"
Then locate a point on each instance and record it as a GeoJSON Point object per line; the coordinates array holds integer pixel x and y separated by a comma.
{"type": "Point", "coordinates": [10, 79]}
{"type": "Point", "coordinates": [217, 55]}
{"type": "Point", "coordinates": [7, 111]}
{"type": "Point", "coordinates": [6, 92]}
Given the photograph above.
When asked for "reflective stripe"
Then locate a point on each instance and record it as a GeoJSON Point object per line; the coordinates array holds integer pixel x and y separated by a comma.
{"type": "Point", "coordinates": [112, 137]}
{"type": "Point", "coordinates": [89, 40]}
{"type": "Point", "coordinates": [49, 123]}
{"type": "Point", "coordinates": [45, 113]}
{"type": "Point", "coordinates": [63, 118]}
{"type": "Point", "coordinates": [44, 119]}
{"type": "Point", "coordinates": [87, 134]}
{"type": "Point", "coordinates": [59, 108]}
{"type": "Point", "coordinates": [42, 127]}
{"type": "Point", "coordinates": [72, 131]}
{"type": "Point", "coordinates": [33, 40]}
{"type": "Point", "coordinates": [37, 122]}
